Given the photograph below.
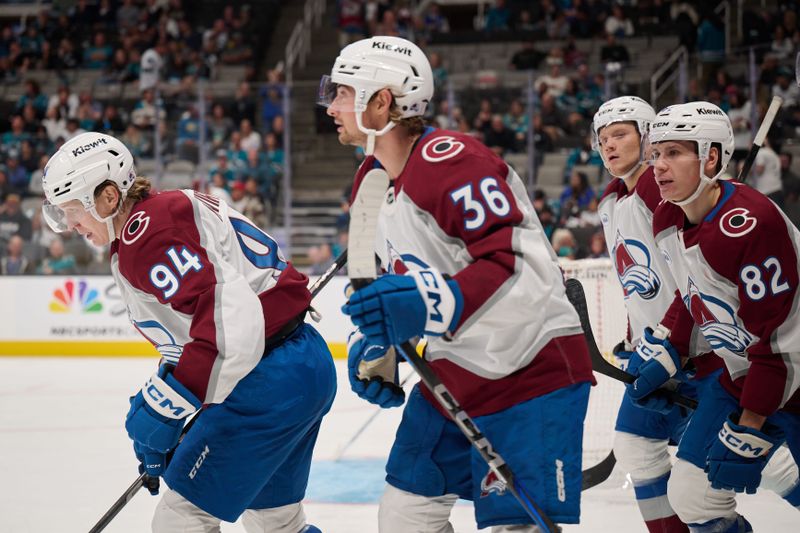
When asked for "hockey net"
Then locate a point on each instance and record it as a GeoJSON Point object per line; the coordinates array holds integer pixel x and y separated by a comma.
{"type": "Point", "coordinates": [609, 324]}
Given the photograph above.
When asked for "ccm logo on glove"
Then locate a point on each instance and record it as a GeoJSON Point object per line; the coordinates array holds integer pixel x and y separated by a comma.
{"type": "Point", "coordinates": [440, 301]}
{"type": "Point", "coordinates": [753, 447]}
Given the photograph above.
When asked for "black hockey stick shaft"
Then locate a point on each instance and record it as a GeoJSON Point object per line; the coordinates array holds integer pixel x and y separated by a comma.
{"type": "Point", "coordinates": [761, 134]}
{"type": "Point", "coordinates": [144, 479]}
{"type": "Point", "coordinates": [599, 363]}
{"type": "Point", "coordinates": [598, 473]}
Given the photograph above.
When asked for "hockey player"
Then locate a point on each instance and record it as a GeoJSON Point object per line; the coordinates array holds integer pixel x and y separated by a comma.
{"type": "Point", "coordinates": [469, 267]}
{"type": "Point", "coordinates": [733, 255]}
{"type": "Point", "coordinates": [215, 296]}
{"type": "Point", "coordinates": [626, 208]}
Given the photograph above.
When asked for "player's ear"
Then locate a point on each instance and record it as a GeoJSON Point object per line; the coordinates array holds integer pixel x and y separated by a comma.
{"type": "Point", "coordinates": [109, 196]}
{"type": "Point", "coordinates": [712, 161]}
{"type": "Point", "coordinates": [383, 101]}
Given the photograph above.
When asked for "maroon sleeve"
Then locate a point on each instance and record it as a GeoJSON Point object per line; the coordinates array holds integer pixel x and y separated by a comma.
{"type": "Point", "coordinates": [473, 202]}
{"type": "Point", "coordinates": [766, 279]}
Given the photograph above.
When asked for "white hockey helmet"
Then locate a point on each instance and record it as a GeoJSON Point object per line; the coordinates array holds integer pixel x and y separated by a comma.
{"type": "Point", "coordinates": [370, 65]}
{"type": "Point", "coordinates": [77, 168]}
{"type": "Point", "coordinates": [623, 109]}
{"type": "Point", "coordinates": [704, 124]}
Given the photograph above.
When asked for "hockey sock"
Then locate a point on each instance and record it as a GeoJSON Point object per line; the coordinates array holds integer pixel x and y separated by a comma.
{"type": "Point", "coordinates": [651, 497]}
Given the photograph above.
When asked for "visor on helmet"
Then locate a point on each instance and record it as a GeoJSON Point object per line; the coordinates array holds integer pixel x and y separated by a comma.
{"type": "Point", "coordinates": [61, 218]}
{"type": "Point", "coordinates": [335, 96]}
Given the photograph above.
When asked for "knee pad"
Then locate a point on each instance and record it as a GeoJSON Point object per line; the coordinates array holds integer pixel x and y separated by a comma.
{"type": "Point", "coordinates": [780, 475]}
{"type": "Point", "coordinates": [693, 499]}
{"type": "Point", "coordinates": [401, 512]}
{"type": "Point", "coordinates": [176, 513]}
{"type": "Point", "coordinates": [285, 519]}
{"type": "Point", "coordinates": [643, 458]}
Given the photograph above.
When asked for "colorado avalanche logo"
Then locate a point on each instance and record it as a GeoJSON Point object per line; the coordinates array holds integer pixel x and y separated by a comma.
{"type": "Point", "coordinates": [491, 483]}
{"type": "Point", "coordinates": [398, 263]}
{"type": "Point", "coordinates": [441, 148]}
{"type": "Point", "coordinates": [635, 276]}
{"type": "Point", "coordinates": [135, 227]}
{"type": "Point", "coordinates": [716, 320]}
{"type": "Point", "coordinates": [160, 337]}
{"type": "Point", "coordinates": [736, 222]}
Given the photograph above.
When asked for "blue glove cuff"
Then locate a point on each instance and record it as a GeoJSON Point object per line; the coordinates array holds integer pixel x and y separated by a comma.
{"type": "Point", "coordinates": [442, 298]}
{"type": "Point", "coordinates": [748, 442]}
{"type": "Point", "coordinates": [168, 397]}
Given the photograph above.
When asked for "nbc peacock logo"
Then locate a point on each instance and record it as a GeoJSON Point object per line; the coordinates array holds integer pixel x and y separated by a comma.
{"type": "Point", "coordinates": [75, 296]}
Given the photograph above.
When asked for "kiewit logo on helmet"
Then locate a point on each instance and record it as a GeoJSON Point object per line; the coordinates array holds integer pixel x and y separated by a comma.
{"type": "Point", "coordinates": [392, 48]}
{"type": "Point", "coordinates": [86, 147]}
{"type": "Point", "coordinates": [704, 111]}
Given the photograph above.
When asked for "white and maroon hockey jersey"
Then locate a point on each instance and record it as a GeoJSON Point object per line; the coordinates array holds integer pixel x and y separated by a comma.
{"type": "Point", "coordinates": [737, 273]}
{"type": "Point", "coordinates": [460, 209]}
{"type": "Point", "coordinates": [627, 218]}
{"type": "Point", "coordinates": [205, 286]}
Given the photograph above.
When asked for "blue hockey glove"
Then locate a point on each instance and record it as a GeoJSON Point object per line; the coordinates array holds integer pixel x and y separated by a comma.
{"type": "Point", "coordinates": [373, 372]}
{"type": "Point", "coordinates": [623, 352]}
{"type": "Point", "coordinates": [654, 363]}
{"type": "Point", "coordinates": [152, 463]}
{"type": "Point", "coordinates": [393, 308]}
{"type": "Point", "coordinates": [739, 454]}
{"type": "Point", "coordinates": [159, 410]}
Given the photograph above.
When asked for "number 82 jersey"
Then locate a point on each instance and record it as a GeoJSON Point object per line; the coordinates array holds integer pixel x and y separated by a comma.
{"type": "Point", "coordinates": [737, 274]}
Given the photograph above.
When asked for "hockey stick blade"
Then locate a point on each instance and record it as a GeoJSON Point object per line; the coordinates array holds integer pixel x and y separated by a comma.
{"type": "Point", "coordinates": [761, 134]}
{"type": "Point", "coordinates": [598, 473]}
{"type": "Point", "coordinates": [362, 239]}
{"type": "Point", "coordinates": [599, 363]}
{"type": "Point", "coordinates": [144, 479]}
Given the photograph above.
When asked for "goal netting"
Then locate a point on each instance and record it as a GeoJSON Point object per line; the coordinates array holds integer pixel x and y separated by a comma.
{"type": "Point", "coordinates": [609, 324]}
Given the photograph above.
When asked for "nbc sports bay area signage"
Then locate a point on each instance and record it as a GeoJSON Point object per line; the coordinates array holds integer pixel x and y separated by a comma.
{"type": "Point", "coordinates": [86, 316]}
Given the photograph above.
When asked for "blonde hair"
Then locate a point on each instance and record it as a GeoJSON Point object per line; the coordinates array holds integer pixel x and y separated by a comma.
{"type": "Point", "coordinates": [413, 125]}
{"type": "Point", "coordinates": [139, 189]}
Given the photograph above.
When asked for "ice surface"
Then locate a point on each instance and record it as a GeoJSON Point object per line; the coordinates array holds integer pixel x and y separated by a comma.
{"type": "Point", "coordinates": [65, 458]}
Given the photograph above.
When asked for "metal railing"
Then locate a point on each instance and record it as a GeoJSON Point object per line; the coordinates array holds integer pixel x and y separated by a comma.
{"type": "Point", "coordinates": [673, 71]}
{"type": "Point", "coordinates": [299, 44]}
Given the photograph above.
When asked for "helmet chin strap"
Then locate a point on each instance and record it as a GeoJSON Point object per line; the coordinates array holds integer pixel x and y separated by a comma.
{"type": "Point", "coordinates": [627, 174]}
{"type": "Point", "coordinates": [705, 182]}
{"type": "Point", "coordinates": [634, 168]}
{"type": "Point", "coordinates": [371, 133]}
{"type": "Point", "coordinates": [109, 221]}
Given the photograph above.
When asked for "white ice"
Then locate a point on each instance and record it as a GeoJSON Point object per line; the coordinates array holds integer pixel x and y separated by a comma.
{"type": "Point", "coordinates": [65, 457]}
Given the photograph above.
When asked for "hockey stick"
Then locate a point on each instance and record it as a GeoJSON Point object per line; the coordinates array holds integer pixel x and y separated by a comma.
{"type": "Point", "coordinates": [599, 363]}
{"type": "Point", "coordinates": [598, 473]}
{"type": "Point", "coordinates": [147, 481]}
{"type": "Point", "coordinates": [362, 234]}
{"type": "Point", "coordinates": [364, 426]}
{"type": "Point", "coordinates": [761, 134]}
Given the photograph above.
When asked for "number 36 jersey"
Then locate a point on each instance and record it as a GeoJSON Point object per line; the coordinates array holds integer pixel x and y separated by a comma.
{"type": "Point", "coordinates": [737, 274]}
{"type": "Point", "coordinates": [205, 286]}
{"type": "Point", "coordinates": [458, 208]}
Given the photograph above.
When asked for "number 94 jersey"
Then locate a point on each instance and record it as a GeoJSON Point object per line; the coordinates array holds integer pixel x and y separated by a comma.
{"type": "Point", "coordinates": [205, 286]}
{"type": "Point", "coordinates": [737, 274]}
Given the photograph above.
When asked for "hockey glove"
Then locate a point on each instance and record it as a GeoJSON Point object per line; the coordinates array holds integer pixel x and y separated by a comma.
{"type": "Point", "coordinates": [159, 410]}
{"type": "Point", "coordinates": [152, 463]}
{"type": "Point", "coordinates": [654, 363]}
{"type": "Point", "coordinates": [739, 454]}
{"type": "Point", "coordinates": [373, 372]}
{"type": "Point", "coordinates": [394, 308]}
{"type": "Point", "coordinates": [623, 352]}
